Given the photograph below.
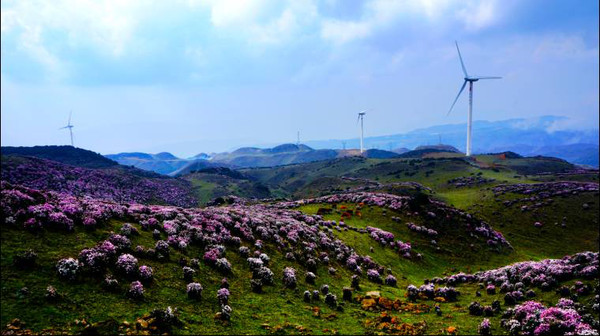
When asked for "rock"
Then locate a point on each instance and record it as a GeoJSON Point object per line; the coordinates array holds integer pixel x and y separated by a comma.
{"type": "Point", "coordinates": [373, 295]}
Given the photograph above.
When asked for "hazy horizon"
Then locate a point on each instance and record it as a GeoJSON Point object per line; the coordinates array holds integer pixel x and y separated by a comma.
{"type": "Point", "coordinates": [151, 76]}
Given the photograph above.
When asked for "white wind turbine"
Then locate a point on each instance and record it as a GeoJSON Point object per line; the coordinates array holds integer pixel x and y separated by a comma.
{"type": "Point", "coordinates": [70, 127]}
{"type": "Point", "coordinates": [361, 116]}
{"type": "Point", "coordinates": [470, 80]}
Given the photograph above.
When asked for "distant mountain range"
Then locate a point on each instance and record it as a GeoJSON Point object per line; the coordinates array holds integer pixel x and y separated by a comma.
{"type": "Point", "coordinates": [162, 163]}
{"type": "Point", "coordinates": [534, 136]}
{"type": "Point", "coordinates": [527, 137]}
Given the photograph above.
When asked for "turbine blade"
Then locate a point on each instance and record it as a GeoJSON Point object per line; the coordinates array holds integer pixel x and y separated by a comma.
{"type": "Point", "coordinates": [487, 77]}
{"type": "Point", "coordinates": [462, 64]}
{"type": "Point", "coordinates": [70, 112]}
{"type": "Point", "coordinates": [63, 127]}
{"type": "Point", "coordinates": [458, 95]}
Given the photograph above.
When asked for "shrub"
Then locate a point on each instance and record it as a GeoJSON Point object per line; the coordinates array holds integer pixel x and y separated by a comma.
{"type": "Point", "coordinates": [289, 277]}
{"type": "Point", "coordinates": [51, 293]}
{"type": "Point", "coordinates": [188, 273]}
{"type": "Point", "coordinates": [475, 308]}
{"type": "Point", "coordinates": [347, 294]}
{"type": "Point", "coordinates": [136, 290]}
{"type": "Point", "coordinates": [162, 247]}
{"type": "Point", "coordinates": [331, 299]}
{"type": "Point", "coordinates": [145, 273]}
{"type": "Point", "coordinates": [194, 290]}
{"type": "Point", "coordinates": [223, 265]}
{"type": "Point", "coordinates": [25, 259]}
{"type": "Point", "coordinates": [373, 275]}
{"type": "Point", "coordinates": [110, 283]}
{"type": "Point", "coordinates": [223, 296]}
{"type": "Point", "coordinates": [390, 280]}
{"type": "Point", "coordinates": [485, 328]}
{"type": "Point", "coordinates": [129, 230]}
{"type": "Point", "coordinates": [310, 277]}
{"type": "Point", "coordinates": [226, 312]}
{"type": "Point", "coordinates": [121, 243]}
{"type": "Point", "coordinates": [166, 318]}
{"type": "Point", "coordinates": [265, 275]}
{"type": "Point", "coordinates": [127, 264]}
{"type": "Point", "coordinates": [306, 296]}
{"type": "Point", "coordinates": [265, 258]}
{"type": "Point", "coordinates": [68, 268]}
{"type": "Point", "coordinates": [256, 285]}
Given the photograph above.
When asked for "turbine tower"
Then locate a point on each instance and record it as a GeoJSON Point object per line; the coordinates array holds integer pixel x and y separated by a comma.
{"type": "Point", "coordinates": [361, 116]}
{"type": "Point", "coordinates": [70, 127]}
{"type": "Point", "coordinates": [470, 80]}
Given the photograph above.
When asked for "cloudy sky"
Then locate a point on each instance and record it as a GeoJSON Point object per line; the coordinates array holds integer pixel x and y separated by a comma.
{"type": "Point", "coordinates": [200, 75]}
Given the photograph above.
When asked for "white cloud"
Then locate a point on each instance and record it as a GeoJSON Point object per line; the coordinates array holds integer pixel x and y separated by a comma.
{"type": "Point", "coordinates": [262, 22]}
{"type": "Point", "coordinates": [106, 26]}
{"type": "Point", "coordinates": [479, 14]}
{"type": "Point", "coordinates": [226, 13]}
{"type": "Point", "coordinates": [379, 14]}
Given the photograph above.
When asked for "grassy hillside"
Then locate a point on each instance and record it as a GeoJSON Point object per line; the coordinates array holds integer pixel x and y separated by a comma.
{"type": "Point", "coordinates": [277, 309]}
{"type": "Point", "coordinates": [208, 184]}
{"type": "Point", "coordinates": [441, 214]}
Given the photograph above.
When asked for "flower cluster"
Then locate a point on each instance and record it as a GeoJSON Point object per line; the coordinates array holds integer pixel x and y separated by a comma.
{"type": "Point", "coordinates": [194, 290]}
{"type": "Point", "coordinates": [437, 211]}
{"type": "Point", "coordinates": [379, 235]}
{"type": "Point", "coordinates": [68, 268]}
{"type": "Point", "coordinates": [127, 264]}
{"type": "Point", "coordinates": [145, 273]}
{"type": "Point", "coordinates": [113, 183]}
{"type": "Point", "coordinates": [289, 277]}
{"type": "Point", "coordinates": [543, 274]}
{"type": "Point", "coordinates": [223, 296]}
{"type": "Point", "coordinates": [422, 229]}
{"type": "Point", "coordinates": [136, 290]}
{"type": "Point", "coordinates": [533, 318]}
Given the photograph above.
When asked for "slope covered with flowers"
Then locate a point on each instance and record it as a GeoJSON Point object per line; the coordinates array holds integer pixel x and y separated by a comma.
{"type": "Point", "coordinates": [119, 184]}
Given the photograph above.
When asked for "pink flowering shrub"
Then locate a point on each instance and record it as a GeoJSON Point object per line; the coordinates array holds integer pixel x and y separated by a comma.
{"type": "Point", "coordinates": [127, 264]}
{"type": "Point", "coordinates": [289, 277]}
{"type": "Point", "coordinates": [145, 273]}
{"type": "Point", "coordinates": [223, 296]}
{"type": "Point", "coordinates": [136, 290]}
{"type": "Point", "coordinates": [533, 318]}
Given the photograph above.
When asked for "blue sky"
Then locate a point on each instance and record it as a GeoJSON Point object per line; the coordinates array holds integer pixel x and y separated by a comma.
{"type": "Point", "coordinates": [200, 76]}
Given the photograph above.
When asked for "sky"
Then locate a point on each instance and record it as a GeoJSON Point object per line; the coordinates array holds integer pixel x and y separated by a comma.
{"type": "Point", "coordinates": [206, 76]}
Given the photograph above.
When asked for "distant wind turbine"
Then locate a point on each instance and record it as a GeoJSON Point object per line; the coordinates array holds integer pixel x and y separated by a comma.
{"type": "Point", "coordinates": [470, 80]}
{"type": "Point", "coordinates": [70, 127]}
{"type": "Point", "coordinates": [361, 116]}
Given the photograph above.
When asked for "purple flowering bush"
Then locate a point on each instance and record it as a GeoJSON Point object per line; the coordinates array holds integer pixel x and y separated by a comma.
{"type": "Point", "coordinates": [136, 290]}
{"type": "Point", "coordinates": [145, 273]}
{"type": "Point", "coordinates": [127, 264]}
{"type": "Point", "coordinates": [112, 184]}
{"type": "Point", "coordinates": [223, 296]}
{"type": "Point", "coordinates": [289, 277]}
{"type": "Point", "coordinates": [533, 318]}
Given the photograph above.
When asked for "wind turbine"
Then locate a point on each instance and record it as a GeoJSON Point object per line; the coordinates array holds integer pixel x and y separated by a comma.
{"type": "Point", "coordinates": [361, 116]}
{"type": "Point", "coordinates": [470, 80]}
{"type": "Point", "coordinates": [70, 127]}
